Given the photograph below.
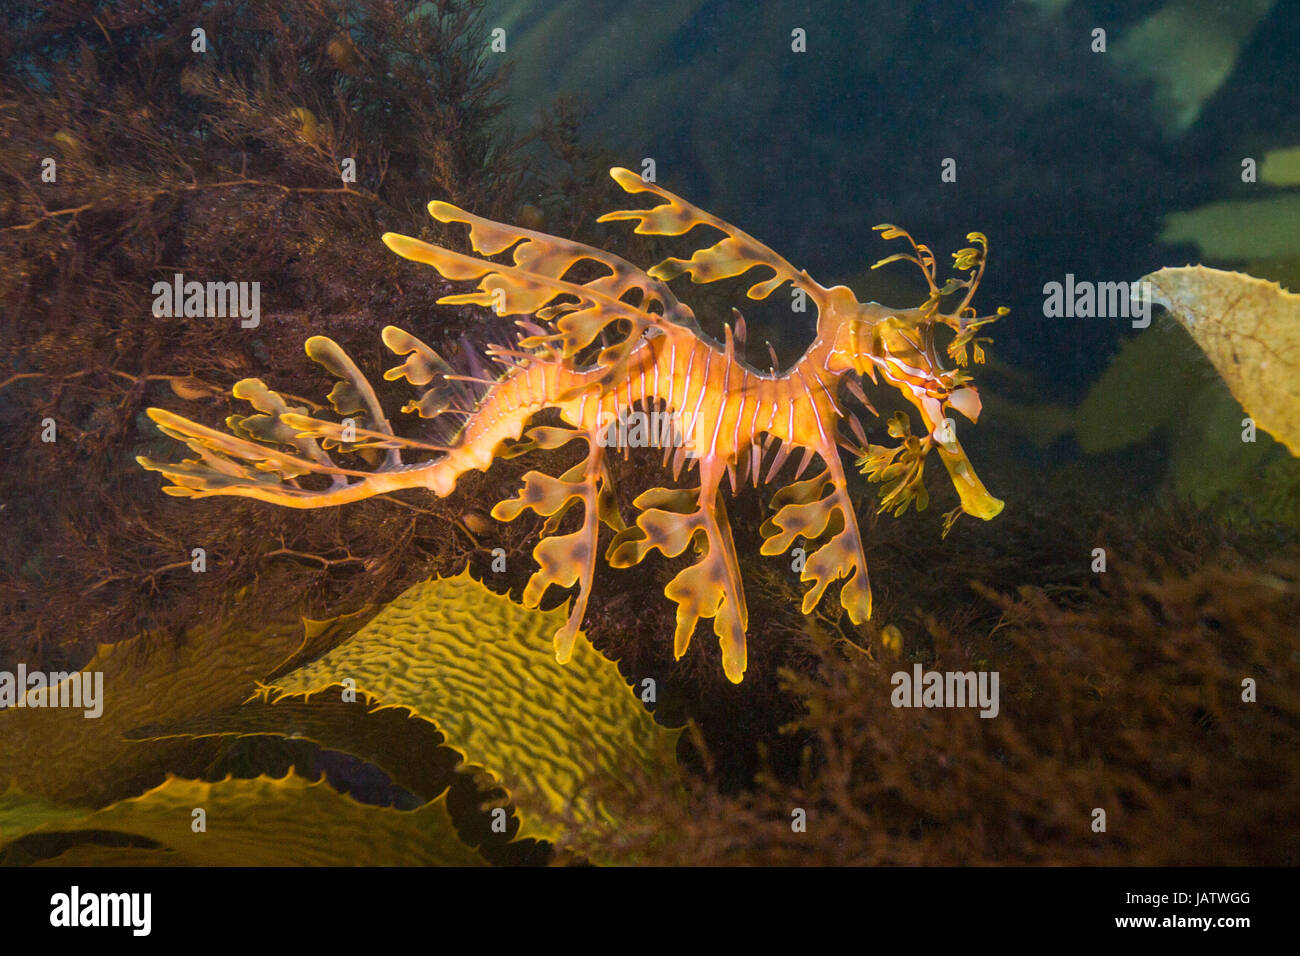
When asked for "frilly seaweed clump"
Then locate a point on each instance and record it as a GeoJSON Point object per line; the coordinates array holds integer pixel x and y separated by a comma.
{"type": "Point", "coordinates": [1124, 695]}
{"type": "Point", "coordinates": [128, 155]}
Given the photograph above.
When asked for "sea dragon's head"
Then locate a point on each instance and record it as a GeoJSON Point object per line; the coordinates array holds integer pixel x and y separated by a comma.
{"type": "Point", "coordinates": [900, 346]}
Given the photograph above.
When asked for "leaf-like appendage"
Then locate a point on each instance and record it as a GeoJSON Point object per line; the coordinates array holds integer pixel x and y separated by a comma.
{"type": "Point", "coordinates": [835, 559]}
{"type": "Point", "coordinates": [423, 366]}
{"type": "Point", "coordinates": [542, 493]}
{"type": "Point", "coordinates": [220, 464]}
{"type": "Point", "coordinates": [352, 394]}
{"type": "Point", "coordinates": [480, 668]}
{"type": "Point", "coordinates": [268, 427]}
{"type": "Point", "coordinates": [901, 473]}
{"type": "Point", "coordinates": [551, 257]}
{"type": "Point", "coordinates": [709, 588]}
{"type": "Point", "coordinates": [422, 363]}
{"type": "Point", "coordinates": [259, 822]}
{"type": "Point", "coordinates": [802, 513]}
{"type": "Point", "coordinates": [561, 560]}
{"type": "Point", "coordinates": [702, 591]}
{"type": "Point", "coordinates": [733, 256]}
{"type": "Point", "coordinates": [564, 560]}
{"type": "Point", "coordinates": [540, 438]}
{"type": "Point", "coordinates": [537, 277]}
{"type": "Point", "coordinates": [667, 522]}
{"type": "Point", "coordinates": [251, 460]}
{"type": "Point", "coordinates": [899, 470]}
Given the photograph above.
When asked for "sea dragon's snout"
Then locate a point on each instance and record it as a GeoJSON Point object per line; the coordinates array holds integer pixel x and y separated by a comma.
{"type": "Point", "coordinates": [901, 346]}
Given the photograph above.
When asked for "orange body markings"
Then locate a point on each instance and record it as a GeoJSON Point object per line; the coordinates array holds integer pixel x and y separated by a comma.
{"type": "Point", "coordinates": [598, 349]}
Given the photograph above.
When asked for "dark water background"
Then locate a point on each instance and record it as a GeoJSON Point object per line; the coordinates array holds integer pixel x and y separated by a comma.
{"type": "Point", "coordinates": [1061, 156]}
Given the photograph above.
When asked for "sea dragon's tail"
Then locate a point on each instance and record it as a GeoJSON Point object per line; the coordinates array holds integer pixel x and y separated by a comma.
{"type": "Point", "coordinates": [285, 454]}
{"type": "Point", "coordinates": [265, 456]}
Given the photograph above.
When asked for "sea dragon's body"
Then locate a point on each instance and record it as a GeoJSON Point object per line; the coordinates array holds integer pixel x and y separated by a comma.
{"type": "Point", "coordinates": [729, 414]}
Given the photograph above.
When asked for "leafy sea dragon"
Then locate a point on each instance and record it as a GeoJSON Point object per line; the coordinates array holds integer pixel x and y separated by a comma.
{"type": "Point", "coordinates": [659, 360]}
